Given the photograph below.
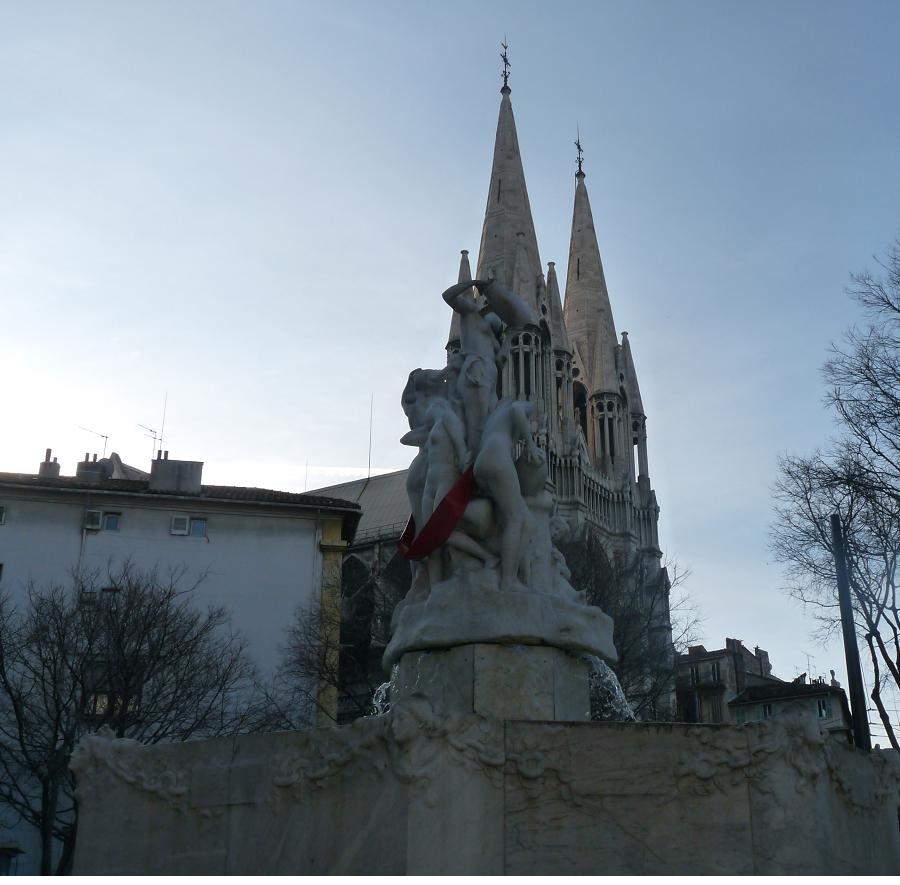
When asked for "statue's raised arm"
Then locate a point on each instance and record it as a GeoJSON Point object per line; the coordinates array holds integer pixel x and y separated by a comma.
{"type": "Point", "coordinates": [507, 305]}
{"type": "Point", "coordinates": [460, 299]}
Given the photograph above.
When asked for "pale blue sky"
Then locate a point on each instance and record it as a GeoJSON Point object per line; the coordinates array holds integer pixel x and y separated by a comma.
{"type": "Point", "coordinates": [255, 207]}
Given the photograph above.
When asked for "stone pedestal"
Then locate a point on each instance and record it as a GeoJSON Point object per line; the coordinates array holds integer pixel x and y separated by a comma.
{"type": "Point", "coordinates": [524, 682]}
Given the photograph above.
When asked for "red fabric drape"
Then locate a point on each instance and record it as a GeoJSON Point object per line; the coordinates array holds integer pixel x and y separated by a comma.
{"type": "Point", "coordinates": [441, 524]}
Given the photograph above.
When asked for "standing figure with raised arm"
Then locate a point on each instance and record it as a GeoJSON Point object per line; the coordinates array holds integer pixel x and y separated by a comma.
{"type": "Point", "coordinates": [480, 323]}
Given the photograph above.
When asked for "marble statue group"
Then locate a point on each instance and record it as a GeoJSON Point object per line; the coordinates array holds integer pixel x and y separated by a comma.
{"type": "Point", "coordinates": [482, 446]}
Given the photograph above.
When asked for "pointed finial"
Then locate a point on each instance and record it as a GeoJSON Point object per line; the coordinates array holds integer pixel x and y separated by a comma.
{"type": "Point", "coordinates": [504, 57]}
{"type": "Point", "coordinates": [579, 151]}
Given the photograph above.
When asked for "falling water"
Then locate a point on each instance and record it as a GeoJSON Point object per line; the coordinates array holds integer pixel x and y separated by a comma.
{"type": "Point", "coordinates": [381, 700]}
{"type": "Point", "coordinates": [608, 701]}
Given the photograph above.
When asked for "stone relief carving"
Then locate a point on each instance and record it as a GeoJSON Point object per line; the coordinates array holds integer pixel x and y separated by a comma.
{"type": "Point", "coordinates": [101, 757]}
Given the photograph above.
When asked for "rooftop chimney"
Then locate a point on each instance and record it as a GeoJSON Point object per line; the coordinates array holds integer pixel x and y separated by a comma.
{"type": "Point", "coordinates": [169, 475]}
{"type": "Point", "coordinates": [48, 469]}
{"type": "Point", "coordinates": [88, 469]}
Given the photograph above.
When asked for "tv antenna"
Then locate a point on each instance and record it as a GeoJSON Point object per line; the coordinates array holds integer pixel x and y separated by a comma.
{"type": "Point", "coordinates": [371, 414]}
{"type": "Point", "coordinates": [809, 659]}
{"type": "Point", "coordinates": [152, 434]}
{"type": "Point", "coordinates": [104, 436]}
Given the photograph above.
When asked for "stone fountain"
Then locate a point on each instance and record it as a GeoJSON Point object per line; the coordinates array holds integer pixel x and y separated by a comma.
{"type": "Point", "coordinates": [486, 762]}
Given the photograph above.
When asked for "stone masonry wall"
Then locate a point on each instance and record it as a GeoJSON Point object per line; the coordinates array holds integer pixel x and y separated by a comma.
{"type": "Point", "coordinates": [409, 792]}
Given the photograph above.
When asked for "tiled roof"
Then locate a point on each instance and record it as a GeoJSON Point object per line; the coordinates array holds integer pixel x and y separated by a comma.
{"type": "Point", "coordinates": [780, 691]}
{"type": "Point", "coordinates": [383, 500]}
{"type": "Point", "coordinates": [212, 493]}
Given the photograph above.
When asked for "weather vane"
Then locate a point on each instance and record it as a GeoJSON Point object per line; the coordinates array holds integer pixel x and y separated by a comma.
{"type": "Point", "coordinates": [580, 152]}
{"type": "Point", "coordinates": [505, 58]}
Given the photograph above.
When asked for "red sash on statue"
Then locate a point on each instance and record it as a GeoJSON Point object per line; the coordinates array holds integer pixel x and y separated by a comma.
{"type": "Point", "coordinates": [441, 524]}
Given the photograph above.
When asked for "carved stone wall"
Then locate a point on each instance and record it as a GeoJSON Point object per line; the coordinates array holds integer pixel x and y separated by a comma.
{"type": "Point", "coordinates": [409, 792]}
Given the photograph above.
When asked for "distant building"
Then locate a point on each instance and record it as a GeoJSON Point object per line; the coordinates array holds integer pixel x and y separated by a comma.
{"type": "Point", "coordinates": [826, 702]}
{"type": "Point", "coordinates": [706, 681]}
{"type": "Point", "coordinates": [735, 685]}
{"type": "Point", "coordinates": [264, 552]}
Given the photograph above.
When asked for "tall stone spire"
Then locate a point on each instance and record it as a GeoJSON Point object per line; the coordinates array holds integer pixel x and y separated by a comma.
{"type": "Point", "coordinates": [508, 214]}
{"type": "Point", "coordinates": [557, 324]}
{"type": "Point", "coordinates": [465, 274]}
{"type": "Point", "coordinates": [587, 310]}
{"type": "Point", "coordinates": [635, 405]}
{"type": "Point", "coordinates": [637, 418]}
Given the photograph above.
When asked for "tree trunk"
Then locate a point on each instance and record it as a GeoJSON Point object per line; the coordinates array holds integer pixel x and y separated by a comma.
{"type": "Point", "coordinates": [876, 695]}
{"type": "Point", "coordinates": [48, 818]}
{"type": "Point", "coordinates": [64, 867]}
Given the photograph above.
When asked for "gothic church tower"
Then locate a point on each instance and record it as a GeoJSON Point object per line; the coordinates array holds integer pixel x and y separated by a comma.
{"type": "Point", "coordinates": [578, 371]}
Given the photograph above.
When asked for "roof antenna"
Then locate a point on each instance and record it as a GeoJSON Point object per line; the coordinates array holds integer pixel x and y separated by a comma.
{"type": "Point", "coordinates": [371, 413]}
{"type": "Point", "coordinates": [504, 56]}
{"type": "Point", "coordinates": [162, 429]}
{"type": "Point", "coordinates": [153, 435]}
{"type": "Point", "coordinates": [105, 436]}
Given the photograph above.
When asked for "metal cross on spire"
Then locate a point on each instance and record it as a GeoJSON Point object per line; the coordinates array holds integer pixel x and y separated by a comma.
{"type": "Point", "coordinates": [579, 151]}
{"type": "Point", "coordinates": [505, 59]}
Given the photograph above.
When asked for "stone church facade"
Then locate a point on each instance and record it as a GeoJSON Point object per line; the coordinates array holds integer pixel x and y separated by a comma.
{"type": "Point", "coordinates": [581, 376]}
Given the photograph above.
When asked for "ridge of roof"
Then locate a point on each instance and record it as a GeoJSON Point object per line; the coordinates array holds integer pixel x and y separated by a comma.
{"type": "Point", "coordinates": [248, 494]}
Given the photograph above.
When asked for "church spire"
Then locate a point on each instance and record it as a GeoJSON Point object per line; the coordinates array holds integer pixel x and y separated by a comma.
{"type": "Point", "coordinates": [637, 417]}
{"type": "Point", "coordinates": [635, 405]}
{"type": "Point", "coordinates": [587, 309]}
{"type": "Point", "coordinates": [558, 334]}
{"type": "Point", "coordinates": [508, 211]}
{"type": "Point", "coordinates": [465, 274]}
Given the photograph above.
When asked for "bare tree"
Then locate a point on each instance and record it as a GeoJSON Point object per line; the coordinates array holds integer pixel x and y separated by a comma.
{"type": "Point", "coordinates": [653, 619]}
{"type": "Point", "coordinates": [858, 476]}
{"type": "Point", "coordinates": [339, 648]}
{"type": "Point", "coordinates": [130, 654]}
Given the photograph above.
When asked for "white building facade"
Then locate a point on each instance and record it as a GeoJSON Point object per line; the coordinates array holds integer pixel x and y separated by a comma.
{"type": "Point", "coordinates": [261, 553]}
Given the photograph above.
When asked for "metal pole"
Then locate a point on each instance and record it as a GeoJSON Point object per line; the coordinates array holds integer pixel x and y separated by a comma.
{"type": "Point", "coordinates": [861, 736]}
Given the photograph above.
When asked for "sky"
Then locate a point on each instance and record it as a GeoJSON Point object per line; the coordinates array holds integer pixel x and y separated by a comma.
{"type": "Point", "coordinates": [248, 211]}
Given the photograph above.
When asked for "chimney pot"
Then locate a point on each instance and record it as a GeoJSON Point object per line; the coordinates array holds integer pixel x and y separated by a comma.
{"type": "Point", "coordinates": [47, 455]}
{"type": "Point", "coordinates": [54, 459]}
{"type": "Point", "coordinates": [95, 457]}
{"type": "Point", "coordinates": [159, 454]}
{"type": "Point", "coordinates": [166, 455]}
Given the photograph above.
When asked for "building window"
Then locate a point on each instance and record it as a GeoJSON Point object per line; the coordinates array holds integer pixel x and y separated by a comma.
{"type": "Point", "coordinates": [766, 711]}
{"type": "Point", "coordinates": [2, 514]}
{"type": "Point", "coordinates": [695, 675]}
{"type": "Point", "coordinates": [110, 590]}
{"type": "Point", "coordinates": [716, 712]}
{"type": "Point", "coordinates": [111, 522]}
{"type": "Point", "coordinates": [198, 528]}
{"type": "Point", "coordinates": [739, 717]}
{"type": "Point", "coordinates": [1, 571]}
{"type": "Point", "coordinates": [716, 672]}
{"type": "Point", "coordinates": [822, 704]}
